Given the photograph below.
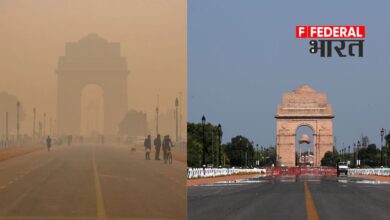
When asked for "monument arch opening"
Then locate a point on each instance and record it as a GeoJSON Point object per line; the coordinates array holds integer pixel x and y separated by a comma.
{"type": "Point", "coordinates": [91, 60]}
{"type": "Point", "coordinates": [92, 110]}
{"type": "Point", "coordinates": [304, 146]}
{"type": "Point", "coordinates": [303, 107]}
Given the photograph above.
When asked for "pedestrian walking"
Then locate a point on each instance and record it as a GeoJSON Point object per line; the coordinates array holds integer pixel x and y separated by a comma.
{"type": "Point", "coordinates": [157, 145]}
{"type": "Point", "coordinates": [48, 143]}
{"type": "Point", "coordinates": [148, 147]}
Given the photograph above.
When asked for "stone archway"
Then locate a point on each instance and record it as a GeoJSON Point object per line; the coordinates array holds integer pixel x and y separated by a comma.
{"type": "Point", "coordinates": [303, 107]}
{"type": "Point", "coordinates": [91, 60]}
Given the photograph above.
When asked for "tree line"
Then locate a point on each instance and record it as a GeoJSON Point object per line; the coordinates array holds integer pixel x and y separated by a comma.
{"type": "Point", "coordinates": [370, 156]}
{"type": "Point", "coordinates": [204, 140]}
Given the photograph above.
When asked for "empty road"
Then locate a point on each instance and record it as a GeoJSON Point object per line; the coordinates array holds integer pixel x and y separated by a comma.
{"type": "Point", "coordinates": [100, 182]}
{"type": "Point", "coordinates": [291, 198]}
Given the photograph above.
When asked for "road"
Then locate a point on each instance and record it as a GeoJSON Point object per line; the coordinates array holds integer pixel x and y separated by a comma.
{"type": "Point", "coordinates": [291, 198]}
{"type": "Point", "coordinates": [100, 182]}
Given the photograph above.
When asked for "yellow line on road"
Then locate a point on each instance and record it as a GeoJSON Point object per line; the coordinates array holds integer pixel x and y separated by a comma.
{"type": "Point", "coordinates": [101, 211]}
{"type": "Point", "coordinates": [311, 211]}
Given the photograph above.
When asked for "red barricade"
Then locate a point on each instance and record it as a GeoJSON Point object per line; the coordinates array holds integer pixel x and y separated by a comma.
{"type": "Point", "coordinates": [301, 171]}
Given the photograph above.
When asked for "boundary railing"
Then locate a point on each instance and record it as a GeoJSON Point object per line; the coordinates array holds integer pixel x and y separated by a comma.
{"type": "Point", "coordinates": [276, 171]}
{"type": "Point", "coordinates": [371, 171]}
{"type": "Point", "coordinates": [213, 172]}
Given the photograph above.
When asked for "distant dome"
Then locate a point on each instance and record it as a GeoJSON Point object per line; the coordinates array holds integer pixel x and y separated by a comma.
{"type": "Point", "coordinates": [305, 89]}
{"type": "Point", "coordinates": [304, 139]}
{"type": "Point", "coordinates": [93, 38]}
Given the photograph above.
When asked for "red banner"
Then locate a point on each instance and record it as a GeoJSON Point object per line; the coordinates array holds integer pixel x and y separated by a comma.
{"type": "Point", "coordinates": [330, 31]}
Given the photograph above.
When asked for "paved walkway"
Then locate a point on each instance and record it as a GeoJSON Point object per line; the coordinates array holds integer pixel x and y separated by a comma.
{"type": "Point", "coordinates": [12, 152]}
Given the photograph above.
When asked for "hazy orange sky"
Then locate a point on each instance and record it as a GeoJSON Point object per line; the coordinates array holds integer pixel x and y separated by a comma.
{"type": "Point", "coordinates": [152, 34]}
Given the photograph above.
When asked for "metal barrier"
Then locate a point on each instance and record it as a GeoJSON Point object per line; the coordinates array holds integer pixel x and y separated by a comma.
{"type": "Point", "coordinates": [301, 171]}
{"type": "Point", "coordinates": [372, 171]}
{"type": "Point", "coordinates": [278, 171]}
{"type": "Point", "coordinates": [282, 171]}
{"type": "Point", "coordinates": [213, 172]}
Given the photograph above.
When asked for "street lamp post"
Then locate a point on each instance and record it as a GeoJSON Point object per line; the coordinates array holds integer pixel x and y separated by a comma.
{"type": "Point", "coordinates": [212, 147]}
{"type": "Point", "coordinates": [383, 131]}
{"type": "Point", "coordinates": [177, 118]}
{"type": "Point", "coordinates": [157, 110]}
{"type": "Point", "coordinates": [252, 156]}
{"type": "Point", "coordinates": [358, 148]}
{"type": "Point", "coordinates": [204, 141]}
{"type": "Point", "coordinates": [50, 128]}
{"type": "Point", "coordinates": [345, 153]}
{"type": "Point", "coordinates": [6, 128]}
{"type": "Point", "coordinates": [349, 152]}
{"type": "Point", "coordinates": [35, 116]}
{"type": "Point", "coordinates": [157, 120]}
{"type": "Point", "coordinates": [219, 143]}
{"type": "Point", "coordinates": [262, 155]}
{"type": "Point", "coordinates": [17, 120]}
{"type": "Point", "coordinates": [40, 129]}
{"type": "Point", "coordinates": [240, 151]}
{"type": "Point", "coordinates": [354, 154]}
{"type": "Point", "coordinates": [246, 154]}
{"type": "Point", "coordinates": [257, 155]}
{"type": "Point", "coordinates": [44, 124]}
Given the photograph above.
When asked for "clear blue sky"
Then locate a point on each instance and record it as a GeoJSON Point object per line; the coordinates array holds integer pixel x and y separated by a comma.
{"type": "Point", "coordinates": [242, 55]}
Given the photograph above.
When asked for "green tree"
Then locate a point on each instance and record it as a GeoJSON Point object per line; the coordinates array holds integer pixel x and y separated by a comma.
{"type": "Point", "coordinates": [269, 155]}
{"type": "Point", "coordinates": [194, 153]}
{"type": "Point", "coordinates": [386, 150]}
{"type": "Point", "coordinates": [240, 152]}
{"type": "Point", "coordinates": [370, 156]}
{"type": "Point", "coordinates": [330, 158]}
{"type": "Point", "coordinates": [195, 144]}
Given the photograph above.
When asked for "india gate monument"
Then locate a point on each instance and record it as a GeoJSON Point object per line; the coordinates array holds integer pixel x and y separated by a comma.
{"type": "Point", "coordinates": [91, 60]}
{"type": "Point", "coordinates": [303, 107]}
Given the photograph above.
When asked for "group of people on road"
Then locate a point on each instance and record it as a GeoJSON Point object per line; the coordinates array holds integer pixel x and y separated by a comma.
{"type": "Point", "coordinates": [166, 145]}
